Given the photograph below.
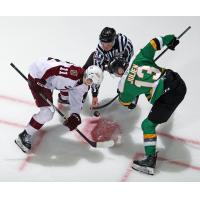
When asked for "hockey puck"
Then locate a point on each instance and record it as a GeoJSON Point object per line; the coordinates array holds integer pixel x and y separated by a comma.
{"type": "Point", "coordinates": [96, 113]}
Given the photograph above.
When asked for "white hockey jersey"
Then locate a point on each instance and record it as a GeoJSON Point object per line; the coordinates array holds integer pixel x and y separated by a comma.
{"type": "Point", "coordinates": [61, 75]}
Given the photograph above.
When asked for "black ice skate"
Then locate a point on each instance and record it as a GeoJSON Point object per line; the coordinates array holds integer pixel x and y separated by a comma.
{"type": "Point", "coordinates": [24, 141]}
{"type": "Point", "coordinates": [62, 101]}
{"type": "Point", "coordinates": [146, 165]}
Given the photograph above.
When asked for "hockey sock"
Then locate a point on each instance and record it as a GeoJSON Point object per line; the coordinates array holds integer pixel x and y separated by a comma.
{"type": "Point", "coordinates": [150, 136]}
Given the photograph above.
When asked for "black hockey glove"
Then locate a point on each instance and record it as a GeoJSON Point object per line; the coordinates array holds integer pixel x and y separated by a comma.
{"type": "Point", "coordinates": [173, 44]}
{"type": "Point", "coordinates": [131, 106]}
{"type": "Point", "coordinates": [73, 121]}
{"type": "Point", "coordinates": [105, 65]}
{"type": "Point", "coordinates": [118, 62]}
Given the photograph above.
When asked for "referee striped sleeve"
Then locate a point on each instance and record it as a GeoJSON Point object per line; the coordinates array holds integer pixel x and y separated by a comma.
{"type": "Point", "coordinates": [129, 50]}
{"type": "Point", "coordinates": [120, 41]}
{"type": "Point", "coordinates": [98, 58]}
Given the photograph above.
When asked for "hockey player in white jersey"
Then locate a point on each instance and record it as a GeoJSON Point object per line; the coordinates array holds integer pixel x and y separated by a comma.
{"type": "Point", "coordinates": [48, 74]}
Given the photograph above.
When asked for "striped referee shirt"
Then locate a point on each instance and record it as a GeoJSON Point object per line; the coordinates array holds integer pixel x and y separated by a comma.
{"type": "Point", "coordinates": [122, 48]}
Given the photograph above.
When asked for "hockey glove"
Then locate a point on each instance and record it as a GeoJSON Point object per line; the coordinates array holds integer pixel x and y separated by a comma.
{"type": "Point", "coordinates": [105, 65]}
{"type": "Point", "coordinates": [173, 44]}
{"type": "Point", "coordinates": [116, 63]}
{"type": "Point", "coordinates": [73, 121]}
{"type": "Point", "coordinates": [37, 84]}
{"type": "Point", "coordinates": [133, 104]}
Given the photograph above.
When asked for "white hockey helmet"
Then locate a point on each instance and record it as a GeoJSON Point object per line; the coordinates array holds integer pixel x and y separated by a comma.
{"type": "Point", "coordinates": [94, 73]}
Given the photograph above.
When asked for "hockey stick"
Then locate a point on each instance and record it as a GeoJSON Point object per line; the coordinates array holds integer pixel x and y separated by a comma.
{"type": "Point", "coordinates": [92, 143]}
{"type": "Point", "coordinates": [186, 30]}
{"type": "Point", "coordinates": [103, 106]}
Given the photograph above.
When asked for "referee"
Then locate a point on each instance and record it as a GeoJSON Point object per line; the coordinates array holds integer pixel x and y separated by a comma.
{"type": "Point", "coordinates": [111, 46]}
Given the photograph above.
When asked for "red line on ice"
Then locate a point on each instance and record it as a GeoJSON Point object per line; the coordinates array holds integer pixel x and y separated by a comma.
{"type": "Point", "coordinates": [174, 162]}
{"type": "Point", "coordinates": [40, 136]}
{"type": "Point", "coordinates": [11, 123]}
{"type": "Point", "coordinates": [185, 140]}
{"type": "Point", "coordinates": [34, 147]}
{"type": "Point", "coordinates": [13, 99]}
{"type": "Point", "coordinates": [128, 172]}
{"type": "Point", "coordinates": [136, 156]}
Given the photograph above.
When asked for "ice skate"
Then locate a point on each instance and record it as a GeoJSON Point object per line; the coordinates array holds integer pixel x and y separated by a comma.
{"type": "Point", "coordinates": [24, 141]}
{"type": "Point", "coordinates": [147, 165]}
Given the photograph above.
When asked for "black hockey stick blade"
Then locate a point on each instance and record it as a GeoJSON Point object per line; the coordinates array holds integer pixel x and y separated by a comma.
{"type": "Point", "coordinates": [104, 144]}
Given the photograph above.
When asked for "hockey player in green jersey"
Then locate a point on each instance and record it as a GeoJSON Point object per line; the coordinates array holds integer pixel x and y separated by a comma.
{"type": "Point", "coordinates": [164, 89]}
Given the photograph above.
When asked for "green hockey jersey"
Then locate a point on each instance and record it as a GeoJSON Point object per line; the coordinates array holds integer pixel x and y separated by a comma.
{"type": "Point", "coordinates": [143, 75]}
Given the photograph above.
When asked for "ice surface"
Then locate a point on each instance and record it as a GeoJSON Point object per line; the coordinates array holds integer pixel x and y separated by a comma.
{"type": "Point", "coordinates": [62, 156]}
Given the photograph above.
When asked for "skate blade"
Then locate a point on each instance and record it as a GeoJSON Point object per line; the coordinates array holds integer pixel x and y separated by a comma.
{"type": "Point", "coordinates": [145, 170]}
{"type": "Point", "coordinates": [21, 146]}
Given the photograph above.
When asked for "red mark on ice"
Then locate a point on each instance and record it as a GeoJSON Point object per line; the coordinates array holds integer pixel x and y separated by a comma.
{"type": "Point", "coordinates": [101, 129]}
{"type": "Point", "coordinates": [30, 103]}
{"type": "Point", "coordinates": [91, 128]}
{"type": "Point", "coordinates": [11, 123]}
{"type": "Point", "coordinates": [175, 162]}
{"type": "Point", "coordinates": [35, 145]}
{"type": "Point", "coordinates": [38, 140]}
{"type": "Point", "coordinates": [185, 140]}
{"type": "Point", "coordinates": [129, 170]}
{"type": "Point", "coordinates": [182, 164]}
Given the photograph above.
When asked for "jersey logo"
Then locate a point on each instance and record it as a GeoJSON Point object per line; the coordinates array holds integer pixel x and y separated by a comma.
{"type": "Point", "coordinates": [73, 73]}
{"type": "Point", "coordinates": [63, 70]}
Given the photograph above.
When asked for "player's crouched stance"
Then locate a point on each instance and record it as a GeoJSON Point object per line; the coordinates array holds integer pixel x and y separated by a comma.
{"type": "Point", "coordinates": [164, 89]}
{"type": "Point", "coordinates": [48, 74]}
{"type": "Point", "coordinates": [163, 108]}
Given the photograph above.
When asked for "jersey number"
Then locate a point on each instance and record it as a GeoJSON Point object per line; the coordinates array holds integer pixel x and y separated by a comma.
{"type": "Point", "coordinates": [149, 70]}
